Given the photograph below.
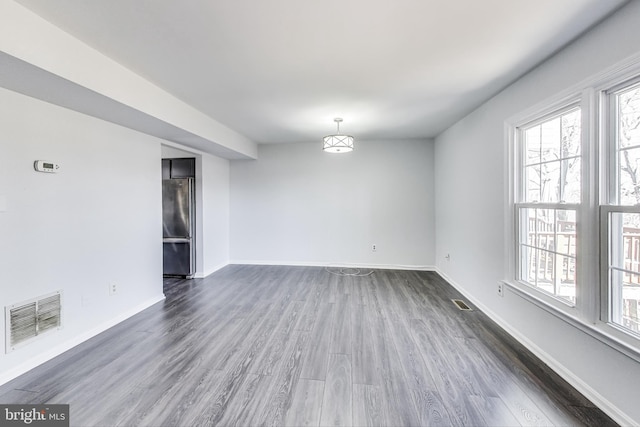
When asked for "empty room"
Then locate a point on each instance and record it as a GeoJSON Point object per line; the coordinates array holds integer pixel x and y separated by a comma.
{"type": "Point", "coordinates": [303, 213]}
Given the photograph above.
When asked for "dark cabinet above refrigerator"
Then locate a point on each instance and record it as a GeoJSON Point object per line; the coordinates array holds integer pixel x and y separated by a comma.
{"type": "Point", "coordinates": [178, 168]}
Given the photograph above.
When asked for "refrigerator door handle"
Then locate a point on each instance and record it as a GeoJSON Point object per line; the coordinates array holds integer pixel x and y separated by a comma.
{"type": "Point", "coordinates": [176, 239]}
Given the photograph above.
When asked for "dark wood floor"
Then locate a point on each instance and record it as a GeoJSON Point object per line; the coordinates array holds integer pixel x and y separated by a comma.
{"type": "Point", "coordinates": [267, 345]}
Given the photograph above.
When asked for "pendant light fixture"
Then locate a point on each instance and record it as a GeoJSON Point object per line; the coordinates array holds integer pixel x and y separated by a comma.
{"type": "Point", "coordinates": [338, 143]}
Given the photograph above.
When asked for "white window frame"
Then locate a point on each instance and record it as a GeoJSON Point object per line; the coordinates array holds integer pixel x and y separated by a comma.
{"type": "Point", "coordinates": [519, 178]}
{"type": "Point", "coordinates": [609, 183]}
{"type": "Point", "coordinates": [607, 309]}
{"type": "Point", "coordinates": [583, 308]}
{"type": "Point", "coordinates": [590, 313]}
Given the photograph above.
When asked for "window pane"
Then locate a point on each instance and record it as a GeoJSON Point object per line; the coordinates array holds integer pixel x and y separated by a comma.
{"type": "Point", "coordinates": [531, 228]}
{"type": "Point", "coordinates": [529, 256]}
{"type": "Point", "coordinates": [546, 271]}
{"type": "Point", "coordinates": [550, 182]}
{"type": "Point", "coordinates": [625, 300]}
{"type": "Point", "coordinates": [629, 117]}
{"type": "Point", "coordinates": [571, 180]}
{"type": "Point", "coordinates": [550, 139]}
{"type": "Point", "coordinates": [546, 228]}
{"type": "Point", "coordinates": [565, 278]}
{"type": "Point", "coordinates": [552, 168]}
{"type": "Point", "coordinates": [532, 183]}
{"type": "Point", "coordinates": [548, 250]}
{"type": "Point", "coordinates": [566, 232]}
{"type": "Point", "coordinates": [571, 134]}
{"type": "Point", "coordinates": [527, 243]}
{"type": "Point", "coordinates": [625, 241]}
{"type": "Point", "coordinates": [624, 249]}
{"type": "Point", "coordinates": [532, 145]}
{"type": "Point", "coordinates": [629, 176]}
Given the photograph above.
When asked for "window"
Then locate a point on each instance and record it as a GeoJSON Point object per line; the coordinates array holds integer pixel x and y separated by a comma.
{"type": "Point", "coordinates": [574, 206]}
{"type": "Point", "coordinates": [621, 210]}
{"type": "Point", "coordinates": [549, 172]}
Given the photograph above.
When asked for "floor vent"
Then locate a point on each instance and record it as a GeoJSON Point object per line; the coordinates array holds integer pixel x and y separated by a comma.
{"type": "Point", "coordinates": [31, 318]}
{"type": "Point", "coordinates": [461, 304]}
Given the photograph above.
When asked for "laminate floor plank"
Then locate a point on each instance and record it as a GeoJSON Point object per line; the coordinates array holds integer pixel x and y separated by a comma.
{"type": "Point", "coordinates": [247, 407]}
{"type": "Point", "coordinates": [275, 345]}
{"type": "Point", "coordinates": [317, 352]}
{"type": "Point", "coordinates": [336, 402]}
{"type": "Point", "coordinates": [332, 281]}
{"type": "Point", "coordinates": [494, 411]}
{"type": "Point", "coordinates": [369, 409]}
{"type": "Point", "coordinates": [363, 356]}
{"type": "Point", "coordinates": [510, 391]}
{"type": "Point", "coordinates": [282, 391]}
{"type": "Point", "coordinates": [376, 296]}
{"type": "Point", "coordinates": [397, 395]}
{"type": "Point", "coordinates": [309, 278]}
{"type": "Point", "coordinates": [195, 398]}
{"type": "Point", "coordinates": [245, 329]}
{"type": "Point", "coordinates": [358, 290]}
{"type": "Point", "coordinates": [306, 404]}
{"type": "Point", "coordinates": [311, 307]}
{"type": "Point", "coordinates": [271, 355]}
{"type": "Point", "coordinates": [341, 331]}
{"type": "Point", "coordinates": [445, 376]}
{"type": "Point", "coordinates": [422, 386]}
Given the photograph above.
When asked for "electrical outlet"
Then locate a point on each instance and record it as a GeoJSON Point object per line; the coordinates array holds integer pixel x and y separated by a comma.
{"type": "Point", "coordinates": [501, 289]}
{"type": "Point", "coordinates": [374, 248]}
{"type": "Point", "coordinates": [113, 288]}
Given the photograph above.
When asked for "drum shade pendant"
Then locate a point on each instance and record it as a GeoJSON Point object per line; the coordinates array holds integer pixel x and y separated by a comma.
{"type": "Point", "coordinates": [338, 143]}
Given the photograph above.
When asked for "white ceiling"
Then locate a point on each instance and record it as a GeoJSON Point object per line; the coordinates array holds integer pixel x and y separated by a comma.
{"type": "Point", "coordinates": [281, 70]}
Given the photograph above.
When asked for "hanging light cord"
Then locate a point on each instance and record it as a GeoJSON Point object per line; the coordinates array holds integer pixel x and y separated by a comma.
{"type": "Point", "coordinates": [347, 271]}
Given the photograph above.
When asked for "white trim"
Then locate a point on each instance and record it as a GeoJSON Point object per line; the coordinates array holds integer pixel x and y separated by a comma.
{"type": "Point", "coordinates": [510, 231]}
{"type": "Point", "coordinates": [73, 342]}
{"type": "Point", "coordinates": [601, 331]}
{"type": "Point", "coordinates": [589, 392]}
{"type": "Point", "coordinates": [202, 275]}
{"type": "Point", "coordinates": [590, 304]}
{"type": "Point", "coordinates": [337, 265]}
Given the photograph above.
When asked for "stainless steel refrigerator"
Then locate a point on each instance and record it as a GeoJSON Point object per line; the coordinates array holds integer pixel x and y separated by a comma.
{"type": "Point", "coordinates": [178, 227]}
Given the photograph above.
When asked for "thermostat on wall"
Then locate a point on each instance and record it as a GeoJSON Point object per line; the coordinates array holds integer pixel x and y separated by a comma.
{"type": "Point", "coordinates": [44, 166]}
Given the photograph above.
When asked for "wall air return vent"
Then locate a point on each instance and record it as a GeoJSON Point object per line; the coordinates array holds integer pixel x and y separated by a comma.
{"type": "Point", "coordinates": [32, 318]}
{"type": "Point", "coordinates": [461, 305]}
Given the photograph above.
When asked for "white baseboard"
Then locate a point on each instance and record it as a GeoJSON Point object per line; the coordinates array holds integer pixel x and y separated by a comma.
{"type": "Point", "coordinates": [337, 265]}
{"type": "Point", "coordinates": [202, 275]}
{"type": "Point", "coordinates": [589, 392]}
{"type": "Point", "coordinates": [33, 362]}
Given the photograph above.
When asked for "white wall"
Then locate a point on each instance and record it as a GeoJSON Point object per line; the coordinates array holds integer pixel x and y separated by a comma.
{"type": "Point", "coordinates": [96, 221]}
{"type": "Point", "coordinates": [470, 180]}
{"type": "Point", "coordinates": [299, 205]}
{"type": "Point", "coordinates": [215, 214]}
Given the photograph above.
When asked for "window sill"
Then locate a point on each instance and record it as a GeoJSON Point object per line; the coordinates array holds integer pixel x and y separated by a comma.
{"type": "Point", "coordinates": [607, 334]}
